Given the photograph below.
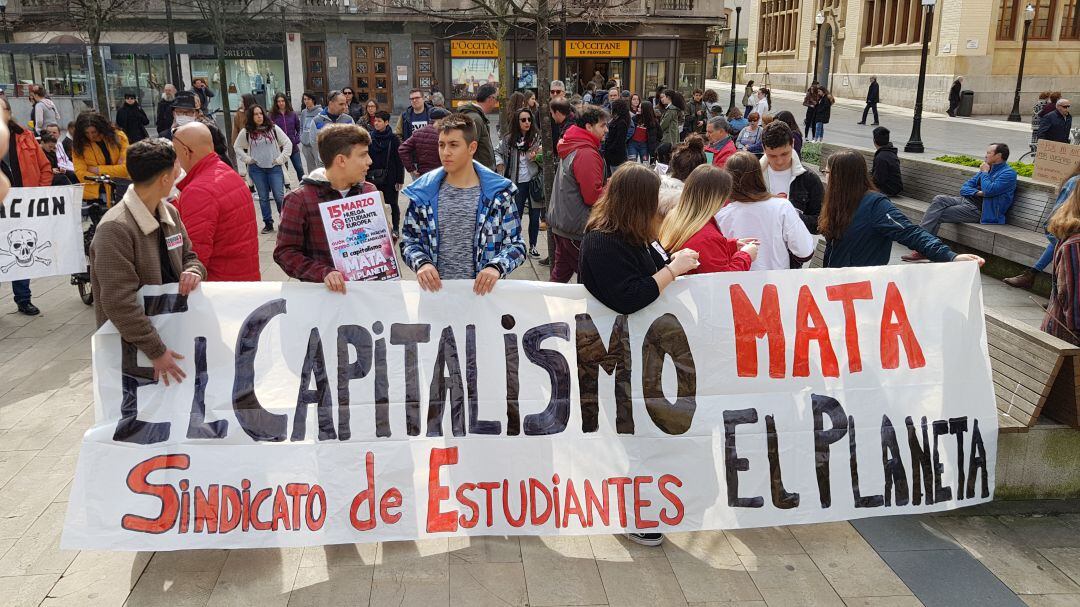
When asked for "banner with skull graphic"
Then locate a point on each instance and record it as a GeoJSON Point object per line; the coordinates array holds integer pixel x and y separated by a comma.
{"type": "Point", "coordinates": [41, 233]}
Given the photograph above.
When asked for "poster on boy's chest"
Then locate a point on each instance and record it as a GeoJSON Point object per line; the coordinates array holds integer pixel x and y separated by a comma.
{"type": "Point", "coordinates": [359, 237]}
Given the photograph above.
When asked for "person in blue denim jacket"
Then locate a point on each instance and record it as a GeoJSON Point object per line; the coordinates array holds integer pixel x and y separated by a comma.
{"type": "Point", "coordinates": [1027, 279]}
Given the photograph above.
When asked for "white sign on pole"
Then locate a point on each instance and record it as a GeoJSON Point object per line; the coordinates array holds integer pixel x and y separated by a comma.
{"type": "Point", "coordinates": [735, 400]}
{"type": "Point", "coordinates": [41, 233]}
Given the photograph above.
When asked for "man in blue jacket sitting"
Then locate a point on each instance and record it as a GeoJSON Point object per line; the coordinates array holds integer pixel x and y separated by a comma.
{"type": "Point", "coordinates": [985, 198]}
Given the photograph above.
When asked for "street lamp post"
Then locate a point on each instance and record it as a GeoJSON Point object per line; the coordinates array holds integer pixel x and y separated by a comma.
{"type": "Point", "coordinates": [174, 59]}
{"type": "Point", "coordinates": [734, 55]}
{"type": "Point", "coordinates": [915, 143]}
{"type": "Point", "coordinates": [1029, 16]}
{"type": "Point", "coordinates": [3, 20]}
{"type": "Point", "coordinates": [819, 19]}
{"type": "Point", "coordinates": [285, 54]}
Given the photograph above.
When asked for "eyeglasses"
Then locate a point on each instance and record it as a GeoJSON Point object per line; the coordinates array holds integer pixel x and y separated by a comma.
{"type": "Point", "coordinates": [556, 92]}
{"type": "Point", "coordinates": [1066, 106]}
{"type": "Point", "coordinates": [415, 98]}
{"type": "Point", "coordinates": [524, 119]}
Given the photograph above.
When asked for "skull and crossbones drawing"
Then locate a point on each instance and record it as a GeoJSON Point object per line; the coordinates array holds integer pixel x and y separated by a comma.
{"type": "Point", "coordinates": [24, 246]}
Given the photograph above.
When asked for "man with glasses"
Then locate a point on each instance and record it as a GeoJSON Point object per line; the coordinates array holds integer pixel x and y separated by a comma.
{"type": "Point", "coordinates": [416, 117]}
{"type": "Point", "coordinates": [1056, 125]}
{"type": "Point", "coordinates": [185, 108]}
{"type": "Point", "coordinates": [355, 108]}
{"type": "Point", "coordinates": [215, 207]}
{"type": "Point", "coordinates": [558, 90]}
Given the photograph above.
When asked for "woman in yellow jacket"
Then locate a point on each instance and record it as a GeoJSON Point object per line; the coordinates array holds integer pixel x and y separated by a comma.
{"type": "Point", "coordinates": [98, 148]}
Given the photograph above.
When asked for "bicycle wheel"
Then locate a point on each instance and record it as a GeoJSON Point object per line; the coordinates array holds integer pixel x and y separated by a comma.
{"type": "Point", "coordinates": [85, 294]}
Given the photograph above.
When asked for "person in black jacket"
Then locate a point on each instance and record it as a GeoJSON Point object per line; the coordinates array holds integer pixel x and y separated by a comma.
{"type": "Point", "coordinates": [1057, 125]}
{"type": "Point", "coordinates": [618, 265]}
{"type": "Point", "coordinates": [132, 119]}
{"type": "Point", "coordinates": [387, 171]}
{"type": "Point", "coordinates": [954, 96]}
{"type": "Point", "coordinates": [164, 122]}
{"type": "Point", "coordinates": [822, 113]}
{"type": "Point", "coordinates": [860, 224]}
{"type": "Point", "coordinates": [618, 130]}
{"type": "Point", "coordinates": [872, 98]}
{"type": "Point", "coordinates": [886, 169]}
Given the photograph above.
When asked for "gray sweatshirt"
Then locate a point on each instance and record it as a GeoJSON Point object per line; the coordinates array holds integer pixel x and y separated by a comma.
{"type": "Point", "coordinates": [267, 150]}
{"type": "Point", "coordinates": [307, 125]}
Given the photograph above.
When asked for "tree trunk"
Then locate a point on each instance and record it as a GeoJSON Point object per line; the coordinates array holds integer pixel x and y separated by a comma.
{"type": "Point", "coordinates": [223, 92]}
{"type": "Point", "coordinates": [101, 94]}
{"type": "Point", "coordinates": [543, 97]}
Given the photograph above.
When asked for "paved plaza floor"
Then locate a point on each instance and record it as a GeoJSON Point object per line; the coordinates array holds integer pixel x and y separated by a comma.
{"type": "Point", "coordinates": [1017, 554]}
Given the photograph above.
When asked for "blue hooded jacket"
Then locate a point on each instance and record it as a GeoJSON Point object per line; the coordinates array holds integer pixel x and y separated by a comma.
{"type": "Point", "coordinates": [997, 186]}
{"type": "Point", "coordinates": [868, 239]}
{"type": "Point", "coordinates": [497, 240]}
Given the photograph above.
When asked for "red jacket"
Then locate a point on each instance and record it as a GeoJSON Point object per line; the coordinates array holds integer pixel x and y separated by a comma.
{"type": "Point", "coordinates": [302, 250]}
{"type": "Point", "coordinates": [216, 208]}
{"type": "Point", "coordinates": [588, 164]}
{"type": "Point", "coordinates": [720, 156]}
{"type": "Point", "coordinates": [420, 152]}
{"type": "Point", "coordinates": [716, 253]}
{"type": "Point", "coordinates": [34, 167]}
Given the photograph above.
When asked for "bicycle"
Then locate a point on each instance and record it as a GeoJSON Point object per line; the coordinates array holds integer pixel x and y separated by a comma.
{"type": "Point", "coordinates": [95, 210]}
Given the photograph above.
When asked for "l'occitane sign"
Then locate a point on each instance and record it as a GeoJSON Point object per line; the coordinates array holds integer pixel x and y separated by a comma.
{"type": "Point", "coordinates": [597, 48]}
{"type": "Point", "coordinates": [474, 48]}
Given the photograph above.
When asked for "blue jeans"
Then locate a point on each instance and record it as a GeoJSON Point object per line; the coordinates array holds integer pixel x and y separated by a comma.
{"type": "Point", "coordinates": [639, 149]}
{"type": "Point", "coordinates": [267, 180]}
{"type": "Point", "coordinates": [819, 130]}
{"type": "Point", "coordinates": [21, 290]}
{"type": "Point", "coordinates": [520, 200]}
{"type": "Point", "coordinates": [1048, 254]}
{"type": "Point", "coordinates": [297, 162]}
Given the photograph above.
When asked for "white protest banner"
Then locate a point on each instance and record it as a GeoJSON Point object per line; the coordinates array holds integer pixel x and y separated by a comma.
{"type": "Point", "coordinates": [735, 400]}
{"type": "Point", "coordinates": [41, 233]}
{"type": "Point", "coordinates": [359, 237]}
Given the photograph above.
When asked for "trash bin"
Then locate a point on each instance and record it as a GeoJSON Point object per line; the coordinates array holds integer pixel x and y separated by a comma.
{"type": "Point", "coordinates": [967, 99]}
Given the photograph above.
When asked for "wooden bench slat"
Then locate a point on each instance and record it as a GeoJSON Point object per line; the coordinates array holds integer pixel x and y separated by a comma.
{"type": "Point", "coordinates": [1041, 373]}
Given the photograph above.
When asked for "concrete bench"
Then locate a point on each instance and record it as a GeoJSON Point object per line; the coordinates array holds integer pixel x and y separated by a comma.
{"type": "Point", "coordinates": [1034, 373]}
{"type": "Point", "coordinates": [1021, 240]}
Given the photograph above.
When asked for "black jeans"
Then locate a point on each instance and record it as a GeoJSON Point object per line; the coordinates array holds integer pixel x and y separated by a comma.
{"type": "Point", "coordinates": [870, 106]}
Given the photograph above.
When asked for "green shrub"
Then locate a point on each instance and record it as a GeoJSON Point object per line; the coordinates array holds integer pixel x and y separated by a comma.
{"type": "Point", "coordinates": [1022, 169]}
{"type": "Point", "coordinates": [811, 152]}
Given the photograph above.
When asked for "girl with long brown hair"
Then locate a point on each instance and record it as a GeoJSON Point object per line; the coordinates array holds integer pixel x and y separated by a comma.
{"type": "Point", "coordinates": [264, 149]}
{"type": "Point", "coordinates": [1063, 313]}
{"type": "Point", "coordinates": [692, 224]}
{"type": "Point", "coordinates": [860, 224]}
{"type": "Point", "coordinates": [755, 213]}
{"type": "Point", "coordinates": [618, 263]}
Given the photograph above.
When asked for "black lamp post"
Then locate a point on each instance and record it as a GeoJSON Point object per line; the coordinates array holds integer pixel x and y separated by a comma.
{"type": "Point", "coordinates": [819, 19]}
{"type": "Point", "coordinates": [285, 54]}
{"type": "Point", "coordinates": [3, 20]}
{"type": "Point", "coordinates": [1029, 16]}
{"type": "Point", "coordinates": [915, 143]}
{"type": "Point", "coordinates": [734, 55]}
{"type": "Point", "coordinates": [174, 59]}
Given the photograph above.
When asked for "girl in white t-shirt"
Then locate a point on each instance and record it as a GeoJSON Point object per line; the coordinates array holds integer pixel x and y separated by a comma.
{"type": "Point", "coordinates": [755, 213]}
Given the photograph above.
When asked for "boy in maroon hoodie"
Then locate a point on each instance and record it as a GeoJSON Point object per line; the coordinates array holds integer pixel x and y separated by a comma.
{"type": "Point", "coordinates": [579, 181]}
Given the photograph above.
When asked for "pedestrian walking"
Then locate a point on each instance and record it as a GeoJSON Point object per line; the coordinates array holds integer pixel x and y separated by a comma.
{"type": "Point", "coordinates": [1036, 114]}
{"type": "Point", "coordinates": [954, 96]}
{"type": "Point", "coordinates": [873, 95]}
{"type": "Point", "coordinates": [264, 149]}
{"type": "Point", "coordinates": [308, 132]}
{"type": "Point", "coordinates": [615, 144]}
{"type": "Point", "coordinates": [288, 121]}
{"type": "Point", "coordinates": [1057, 125]}
{"type": "Point", "coordinates": [822, 113]}
{"type": "Point", "coordinates": [387, 171]}
{"type": "Point", "coordinates": [420, 153]}
{"type": "Point", "coordinates": [1026, 280]}
{"type": "Point", "coordinates": [692, 225]}
{"type": "Point", "coordinates": [164, 121]}
{"type": "Point", "coordinates": [24, 165]}
{"type": "Point", "coordinates": [142, 241]}
{"type": "Point", "coordinates": [215, 208]}
{"type": "Point", "coordinates": [1063, 313]}
{"type": "Point", "coordinates": [748, 99]}
{"type": "Point", "coordinates": [462, 222]}
{"type": "Point", "coordinates": [43, 111]}
{"type": "Point", "coordinates": [764, 101]}
{"type": "Point", "coordinates": [516, 160]}
{"type": "Point", "coordinates": [755, 213]}
{"type": "Point", "coordinates": [810, 100]}
{"type": "Point", "coordinates": [132, 119]}
{"type": "Point", "coordinates": [860, 224]}
{"type": "Point", "coordinates": [302, 250]}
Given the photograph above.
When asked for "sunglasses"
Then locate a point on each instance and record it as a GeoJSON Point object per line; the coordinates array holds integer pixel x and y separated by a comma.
{"type": "Point", "coordinates": [347, 93]}
{"type": "Point", "coordinates": [556, 91]}
{"type": "Point", "coordinates": [524, 119]}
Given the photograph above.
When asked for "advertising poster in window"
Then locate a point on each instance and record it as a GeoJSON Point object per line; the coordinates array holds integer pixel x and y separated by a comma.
{"type": "Point", "coordinates": [359, 237]}
{"type": "Point", "coordinates": [469, 74]}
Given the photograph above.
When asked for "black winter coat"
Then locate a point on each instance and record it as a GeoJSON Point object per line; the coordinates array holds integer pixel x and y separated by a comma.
{"type": "Point", "coordinates": [384, 156]}
{"type": "Point", "coordinates": [132, 120]}
{"type": "Point", "coordinates": [873, 93]}
{"type": "Point", "coordinates": [806, 193]}
{"type": "Point", "coordinates": [886, 171]}
{"type": "Point", "coordinates": [823, 110]}
{"type": "Point", "coordinates": [164, 121]}
{"type": "Point", "coordinates": [615, 142]}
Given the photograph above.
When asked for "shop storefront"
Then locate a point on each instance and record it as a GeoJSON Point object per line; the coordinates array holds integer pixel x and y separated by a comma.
{"type": "Point", "coordinates": [472, 64]}
{"type": "Point", "coordinates": [595, 63]}
{"type": "Point", "coordinates": [256, 69]}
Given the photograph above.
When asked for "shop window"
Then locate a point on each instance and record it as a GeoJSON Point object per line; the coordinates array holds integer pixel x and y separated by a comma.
{"type": "Point", "coordinates": [1006, 26]}
{"type": "Point", "coordinates": [689, 74]}
{"type": "Point", "coordinates": [655, 75]}
{"type": "Point", "coordinates": [778, 25]}
{"type": "Point", "coordinates": [468, 74]}
{"type": "Point", "coordinates": [1070, 21]}
{"type": "Point", "coordinates": [263, 78]}
{"type": "Point", "coordinates": [1042, 27]}
{"type": "Point", "coordinates": [526, 75]}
